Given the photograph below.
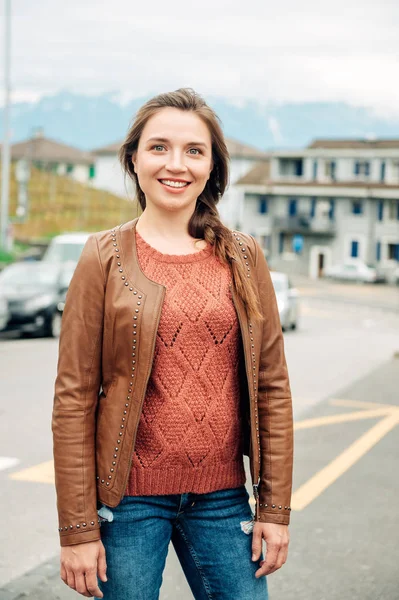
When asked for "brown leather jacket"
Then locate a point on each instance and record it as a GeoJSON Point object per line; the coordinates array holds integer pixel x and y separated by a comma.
{"type": "Point", "coordinates": [106, 350]}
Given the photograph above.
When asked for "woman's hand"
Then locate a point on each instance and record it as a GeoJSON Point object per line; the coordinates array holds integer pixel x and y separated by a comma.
{"type": "Point", "coordinates": [277, 538]}
{"type": "Point", "coordinates": [80, 565]}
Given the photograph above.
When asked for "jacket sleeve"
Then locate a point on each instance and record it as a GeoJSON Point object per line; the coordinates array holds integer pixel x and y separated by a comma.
{"type": "Point", "coordinates": [274, 405]}
{"type": "Point", "coordinates": [77, 388]}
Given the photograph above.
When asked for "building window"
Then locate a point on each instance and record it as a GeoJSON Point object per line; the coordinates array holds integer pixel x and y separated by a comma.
{"type": "Point", "coordinates": [69, 169]}
{"type": "Point", "coordinates": [395, 170]}
{"type": "Point", "coordinates": [380, 210]}
{"type": "Point", "coordinates": [315, 168]}
{"type": "Point", "coordinates": [292, 207]}
{"type": "Point", "coordinates": [263, 207]}
{"type": "Point", "coordinates": [354, 249]}
{"type": "Point", "coordinates": [313, 202]}
{"type": "Point", "coordinates": [383, 169]}
{"type": "Point", "coordinates": [362, 168]}
{"type": "Point", "coordinates": [266, 244]}
{"type": "Point", "coordinates": [281, 242]}
{"type": "Point", "coordinates": [330, 168]}
{"type": "Point", "coordinates": [331, 212]}
{"type": "Point", "coordinates": [393, 210]}
{"type": "Point", "coordinates": [393, 252]}
{"type": "Point", "coordinates": [92, 171]}
{"type": "Point", "coordinates": [378, 251]}
{"type": "Point", "coordinates": [357, 207]}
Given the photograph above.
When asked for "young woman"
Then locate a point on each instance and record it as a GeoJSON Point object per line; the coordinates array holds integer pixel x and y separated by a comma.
{"type": "Point", "coordinates": [171, 368]}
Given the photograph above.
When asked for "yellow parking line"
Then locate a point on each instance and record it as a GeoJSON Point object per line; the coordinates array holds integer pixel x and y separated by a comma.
{"type": "Point", "coordinates": [306, 493]}
{"type": "Point", "coordinates": [361, 404]}
{"type": "Point", "coordinates": [42, 473]}
{"type": "Point", "coordinates": [341, 418]}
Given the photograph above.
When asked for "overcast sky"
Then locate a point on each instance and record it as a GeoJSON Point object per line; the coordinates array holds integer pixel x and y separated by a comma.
{"type": "Point", "coordinates": [278, 51]}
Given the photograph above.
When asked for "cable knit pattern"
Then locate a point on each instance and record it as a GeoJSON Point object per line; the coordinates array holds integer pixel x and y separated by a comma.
{"type": "Point", "coordinates": [189, 437]}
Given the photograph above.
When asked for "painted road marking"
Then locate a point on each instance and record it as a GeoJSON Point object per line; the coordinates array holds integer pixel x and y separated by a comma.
{"type": "Point", "coordinates": [337, 467]}
{"type": "Point", "coordinates": [43, 473]}
{"type": "Point", "coordinates": [6, 462]}
{"type": "Point", "coordinates": [318, 483]}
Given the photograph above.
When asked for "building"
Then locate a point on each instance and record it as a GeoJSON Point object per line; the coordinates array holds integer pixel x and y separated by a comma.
{"type": "Point", "coordinates": [49, 155]}
{"type": "Point", "coordinates": [109, 174]}
{"type": "Point", "coordinates": [332, 201]}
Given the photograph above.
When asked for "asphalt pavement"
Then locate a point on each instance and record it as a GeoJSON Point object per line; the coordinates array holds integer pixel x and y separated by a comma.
{"type": "Point", "coordinates": [345, 522]}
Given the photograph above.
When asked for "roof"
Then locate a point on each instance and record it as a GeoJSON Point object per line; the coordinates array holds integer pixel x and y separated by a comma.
{"type": "Point", "coordinates": [239, 150]}
{"type": "Point", "coordinates": [236, 150]}
{"type": "Point", "coordinates": [258, 175]}
{"type": "Point", "coordinates": [109, 149]}
{"type": "Point", "coordinates": [358, 144]}
{"type": "Point", "coordinates": [48, 150]}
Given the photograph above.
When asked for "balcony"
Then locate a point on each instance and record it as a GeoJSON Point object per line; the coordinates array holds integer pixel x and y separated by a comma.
{"type": "Point", "coordinates": [303, 224]}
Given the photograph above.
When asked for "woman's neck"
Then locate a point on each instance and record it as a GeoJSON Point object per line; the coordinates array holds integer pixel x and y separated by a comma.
{"type": "Point", "coordinates": [167, 235]}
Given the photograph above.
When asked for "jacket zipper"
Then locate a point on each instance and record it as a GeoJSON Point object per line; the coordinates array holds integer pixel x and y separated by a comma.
{"type": "Point", "coordinates": [143, 396]}
{"type": "Point", "coordinates": [255, 486]}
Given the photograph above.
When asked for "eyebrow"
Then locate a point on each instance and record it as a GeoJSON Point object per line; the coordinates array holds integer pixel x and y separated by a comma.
{"type": "Point", "coordinates": [166, 141]}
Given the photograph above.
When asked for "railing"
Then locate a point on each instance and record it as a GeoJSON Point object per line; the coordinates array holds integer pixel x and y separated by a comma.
{"type": "Point", "coordinates": [304, 224]}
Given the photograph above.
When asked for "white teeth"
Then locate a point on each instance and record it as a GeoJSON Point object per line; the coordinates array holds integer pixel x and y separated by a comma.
{"type": "Point", "coordinates": [177, 184]}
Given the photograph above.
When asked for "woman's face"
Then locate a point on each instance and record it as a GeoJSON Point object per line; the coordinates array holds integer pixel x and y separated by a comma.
{"type": "Point", "coordinates": [173, 159]}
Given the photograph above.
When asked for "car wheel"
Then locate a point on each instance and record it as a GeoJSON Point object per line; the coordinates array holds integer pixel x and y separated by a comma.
{"type": "Point", "coordinates": [293, 326]}
{"type": "Point", "coordinates": [54, 328]}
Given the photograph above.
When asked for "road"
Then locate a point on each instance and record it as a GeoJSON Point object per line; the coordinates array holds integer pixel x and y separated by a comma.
{"type": "Point", "coordinates": [343, 537]}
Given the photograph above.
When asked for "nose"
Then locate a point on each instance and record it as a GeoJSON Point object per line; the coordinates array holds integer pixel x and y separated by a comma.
{"type": "Point", "coordinates": [176, 163]}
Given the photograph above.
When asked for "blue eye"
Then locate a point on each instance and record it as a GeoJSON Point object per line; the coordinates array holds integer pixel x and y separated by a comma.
{"type": "Point", "coordinates": [158, 146]}
{"type": "Point", "coordinates": [196, 150]}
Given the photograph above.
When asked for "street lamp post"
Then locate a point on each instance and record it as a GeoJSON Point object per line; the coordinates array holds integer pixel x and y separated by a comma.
{"type": "Point", "coordinates": [5, 155]}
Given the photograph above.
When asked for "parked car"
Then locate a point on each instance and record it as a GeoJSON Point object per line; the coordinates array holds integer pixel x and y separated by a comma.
{"type": "Point", "coordinates": [4, 312]}
{"type": "Point", "coordinates": [355, 270]}
{"type": "Point", "coordinates": [33, 291]}
{"type": "Point", "coordinates": [287, 300]}
{"type": "Point", "coordinates": [65, 247]}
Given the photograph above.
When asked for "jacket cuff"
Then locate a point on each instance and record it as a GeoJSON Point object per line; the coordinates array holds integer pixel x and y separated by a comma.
{"type": "Point", "coordinates": [84, 531]}
{"type": "Point", "coordinates": [268, 517]}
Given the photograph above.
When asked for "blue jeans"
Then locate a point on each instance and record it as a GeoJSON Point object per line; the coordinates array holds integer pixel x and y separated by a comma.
{"type": "Point", "coordinates": [211, 534]}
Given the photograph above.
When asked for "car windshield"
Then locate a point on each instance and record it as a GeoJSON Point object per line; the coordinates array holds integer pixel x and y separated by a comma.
{"type": "Point", "coordinates": [66, 275]}
{"type": "Point", "coordinates": [29, 275]}
{"type": "Point", "coordinates": [64, 251]}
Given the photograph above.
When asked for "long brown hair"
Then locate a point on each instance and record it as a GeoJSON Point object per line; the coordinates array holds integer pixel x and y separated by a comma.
{"type": "Point", "coordinates": [205, 222]}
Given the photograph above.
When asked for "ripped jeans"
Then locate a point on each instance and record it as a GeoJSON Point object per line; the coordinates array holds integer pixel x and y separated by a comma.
{"type": "Point", "coordinates": [211, 534]}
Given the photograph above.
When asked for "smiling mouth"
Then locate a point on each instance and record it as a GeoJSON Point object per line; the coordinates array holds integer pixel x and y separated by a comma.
{"type": "Point", "coordinates": [174, 184]}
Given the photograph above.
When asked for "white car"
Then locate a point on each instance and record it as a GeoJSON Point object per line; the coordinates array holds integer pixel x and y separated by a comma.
{"type": "Point", "coordinates": [65, 247]}
{"type": "Point", "coordinates": [287, 300]}
{"type": "Point", "coordinates": [354, 271]}
{"type": "Point", "coordinates": [4, 312]}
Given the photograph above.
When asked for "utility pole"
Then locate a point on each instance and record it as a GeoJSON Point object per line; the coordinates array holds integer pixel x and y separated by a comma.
{"type": "Point", "coordinates": [5, 154]}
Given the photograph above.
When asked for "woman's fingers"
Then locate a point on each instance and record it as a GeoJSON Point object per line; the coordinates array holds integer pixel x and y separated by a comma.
{"type": "Point", "coordinates": [80, 583]}
{"type": "Point", "coordinates": [269, 564]}
{"type": "Point", "coordinates": [92, 583]}
{"type": "Point", "coordinates": [256, 543]}
{"type": "Point", "coordinates": [102, 564]}
{"type": "Point", "coordinates": [63, 574]}
{"type": "Point", "coordinates": [70, 579]}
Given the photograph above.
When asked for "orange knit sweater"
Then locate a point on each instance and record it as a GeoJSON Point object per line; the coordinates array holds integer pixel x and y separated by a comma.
{"type": "Point", "coordinates": [189, 437]}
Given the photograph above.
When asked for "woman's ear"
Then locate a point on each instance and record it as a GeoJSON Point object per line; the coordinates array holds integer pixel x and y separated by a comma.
{"type": "Point", "coordinates": [134, 162]}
